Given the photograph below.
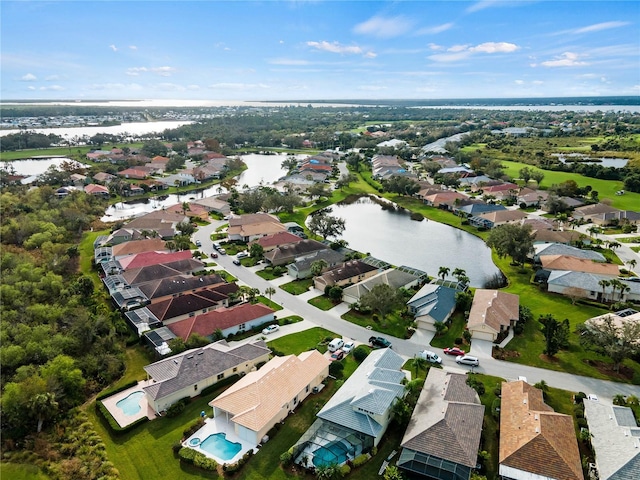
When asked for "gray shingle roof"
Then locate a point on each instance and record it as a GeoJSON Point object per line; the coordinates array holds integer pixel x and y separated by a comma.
{"type": "Point", "coordinates": [562, 249]}
{"type": "Point", "coordinates": [437, 301]}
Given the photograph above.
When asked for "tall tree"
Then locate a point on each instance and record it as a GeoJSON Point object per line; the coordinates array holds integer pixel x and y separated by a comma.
{"type": "Point", "coordinates": [318, 266]}
{"type": "Point", "coordinates": [326, 225]}
{"type": "Point", "coordinates": [616, 339]}
{"type": "Point", "coordinates": [556, 334]}
{"type": "Point", "coordinates": [382, 298]}
{"type": "Point", "coordinates": [443, 272]}
{"type": "Point", "coordinates": [512, 240]}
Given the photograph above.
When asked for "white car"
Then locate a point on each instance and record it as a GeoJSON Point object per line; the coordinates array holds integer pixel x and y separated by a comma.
{"type": "Point", "coordinates": [348, 347]}
{"type": "Point", "coordinates": [430, 356]}
{"type": "Point", "coordinates": [270, 329]}
{"type": "Point", "coordinates": [592, 396]}
{"type": "Point", "coordinates": [467, 360]}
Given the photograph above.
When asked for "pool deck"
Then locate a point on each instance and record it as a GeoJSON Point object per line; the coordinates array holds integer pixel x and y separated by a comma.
{"type": "Point", "coordinates": [117, 413]}
{"type": "Point", "coordinates": [220, 425]}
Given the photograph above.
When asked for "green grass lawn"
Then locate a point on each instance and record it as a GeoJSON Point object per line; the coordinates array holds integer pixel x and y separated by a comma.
{"type": "Point", "coordinates": [393, 324]}
{"type": "Point", "coordinates": [455, 331]}
{"type": "Point", "coordinates": [268, 273]}
{"type": "Point", "coordinates": [490, 441]}
{"type": "Point", "coordinates": [605, 188]}
{"type": "Point", "coordinates": [21, 471]}
{"type": "Point", "coordinates": [297, 343]}
{"type": "Point", "coordinates": [297, 287]}
{"type": "Point", "coordinates": [322, 302]}
{"type": "Point", "coordinates": [269, 303]}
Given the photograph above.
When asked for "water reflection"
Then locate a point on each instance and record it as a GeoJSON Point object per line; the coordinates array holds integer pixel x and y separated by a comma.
{"type": "Point", "coordinates": [393, 237]}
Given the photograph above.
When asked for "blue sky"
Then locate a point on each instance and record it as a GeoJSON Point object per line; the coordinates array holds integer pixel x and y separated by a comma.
{"type": "Point", "coordinates": [269, 50]}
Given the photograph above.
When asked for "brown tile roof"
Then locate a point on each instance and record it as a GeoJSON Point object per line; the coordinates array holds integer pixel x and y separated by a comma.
{"type": "Point", "coordinates": [207, 323]}
{"type": "Point", "coordinates": [502, 216]}
{"type": "Point", "coordinates": [566, 262]}
{"type": "Point", "coordinates": [556, 236]}
{"type": "Point", "coordinates": [277, 239]}
{"type": "Point", "coordinates": [249, 218]}
{"type": "Point", "coordinates": [146, 259]}
{"type": "Point", "coordinates": [262, 228]}
{"type": "Point", "coordinates": [257, 399]}
{"type": "Point", "coordinates": [139, 246]}
{"type": "Point", "coordinates": [493, 308]}
{"type": "Point", "coordinates": [534, 438]}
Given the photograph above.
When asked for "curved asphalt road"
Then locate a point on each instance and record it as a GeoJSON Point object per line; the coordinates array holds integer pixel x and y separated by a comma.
{"type": "Point", "coordinates": [605, 390]}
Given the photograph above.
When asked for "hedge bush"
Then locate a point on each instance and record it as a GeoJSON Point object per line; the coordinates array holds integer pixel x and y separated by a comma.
{"type": "Point", "coordinates": [345, 470]}
{"type": "Point", "coordinates": [113, 424]}
{"type": "Point", "coordinates": [193, 428]}
{"type": "Point", "coordinates": [361, 460]}
{"type": "Point", "coordinates": [197, 459]}
{"type": "Point", "coordinates": [108, 393]}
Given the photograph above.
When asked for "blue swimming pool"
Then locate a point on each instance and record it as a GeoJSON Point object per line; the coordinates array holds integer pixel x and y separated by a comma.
{"type": "Point", "coordinates": [218, 446]}
{"type": "Point", "coordinates": [130, 405]}
{"type": "Point", "coordinates": [335, 452]}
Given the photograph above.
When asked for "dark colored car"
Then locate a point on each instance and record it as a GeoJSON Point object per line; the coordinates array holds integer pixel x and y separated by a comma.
{"type": "Point", "coordinates": [379, 342]}
{"type": "Point", "coordinates": [214, 255]}
{"type": "Point", "coordinates": [454, 351]}
{"type": "Point", "coordinates": [236, 262]}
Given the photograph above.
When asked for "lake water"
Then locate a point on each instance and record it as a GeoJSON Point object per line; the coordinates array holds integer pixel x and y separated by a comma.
{"type": "Point", "coordinates": [135, 128]}
{"type": "Point", "coordinates": [393, 237]}
{"type": "Point", "coordinates": [605, 162]}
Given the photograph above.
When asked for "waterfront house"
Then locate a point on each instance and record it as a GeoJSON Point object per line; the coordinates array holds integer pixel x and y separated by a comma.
{"type": "Point", "coordinates": [290, 252]}
{"type": "Point", "coordinates": [432, 303]}
{"type": "Point", "coordinates": [352, 271]}
{"type": "Point", "coordinates": [492, 313]}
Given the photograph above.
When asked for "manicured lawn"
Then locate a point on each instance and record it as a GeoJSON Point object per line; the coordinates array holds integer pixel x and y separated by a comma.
{"type": "Point", "coordinates": [605, 188]}
{"type": "Point", "coordinates": [322, 302]}
{"type": "Point", "coordinates": [269, 273]}
{"type": "Point", "coordinates": [455, 331]}
{"type": "Point", "coordinates": [269, 303]}
{"type": "Point", "coordinates": [21, 471]}
{"type": "Point", "coordinates": [297, 287]}
{"type": "Point", "coordinates": [393, 324]}
{"type": "Point", "coordinates": [297, 343]}
{"type": "Point", "coordinates": [490, 441]}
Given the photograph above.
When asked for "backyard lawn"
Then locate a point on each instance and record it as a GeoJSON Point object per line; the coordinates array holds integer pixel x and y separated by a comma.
{"type": "Point", "coordinates": [392, 324]}
{"type": "Point", "coordinates": [454, 331]}
{"type": "Point", "coordinates": [21, 471]}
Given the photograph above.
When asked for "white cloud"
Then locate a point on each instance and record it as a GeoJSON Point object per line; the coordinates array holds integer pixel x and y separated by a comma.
{"type": "Point", "coordinates": [567, 59]}
{"type": "Point", "coordinates": [238, 86]}
{"type": "Point", "coordinates": [55, 88]}
{"type": "Point", "coordinates": [600, 26]}
{"type": "Point", "coordinates": [29, 77]}
{"type": "Point", "coordinates": [133, 47]}
{"type": "Point", "coordinates": [116, 86]}
{"type": "Point", "coordinates": [476, 7]}
{"type": "Point", "coordinates": [538, 82]}
{"type": "Point", "coordinates": [382, 27]}
{"type": "Point", "coordinates": [170, 87]}
{"type": "Point", "coordinates": [162, 71]}
{"type": "Point", "coordinates": [460, 52]}
{"type": "Point", "coordinates": [336, 47]}
{"type": "Point", "coordinates": [51, 78]}
{"type": "Point", "coordinates": [113, 47]}
{"type": "Point", "coordinates": [31, 87]}
{"type": "Point", "coordinates": [434, 46]}
{"type": "Point", "coordinates": [193, 87]}
{"type": "Point", "coordinates": [435, 29]}
{"type": "Point", "coordinates": [519, 82]}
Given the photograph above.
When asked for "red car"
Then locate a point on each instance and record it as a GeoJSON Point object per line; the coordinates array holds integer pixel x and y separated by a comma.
{"type": "Point", "coordinates": [454, 351]}
{"type": "Point", "coordinates": [337, 355]}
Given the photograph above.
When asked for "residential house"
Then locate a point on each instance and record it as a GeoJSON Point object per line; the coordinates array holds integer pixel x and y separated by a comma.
{"type": "Point", "coordinates": [588, 285]}
{"type": "Point", "coordinates": [136, 173]}
{"type": "Point", "coordinates": [253, 226]}
{"type": "Point", "coordinates": [133, 247]}
{"type": "Point", "coordinates": [288, 253]}
{"type": "Point", "coordinates": [301, 268]}
{"type": "Point", "coordinates": [497, 218]}
{"type": "Point", "coordinates": [474, 182]}
{"type": "Point", "coordinates": [445, 199]}
{"type": "Point", "coordinates": [102, 254]}
{"type": "Point", "coordinates": [129, 298]}
{"type": "Point", "coordinates": [65, 191]}
{"type": "Point", "coordinates": [492, 313]}
{"type": "Point", "coordinates": [139, 276]}
{"type": "Point", "coordinates": [315, 167]}
{"type": "Point", "coordinates": [163, 223]}
{"type": "Point", "coordinates": [142, 320]}
{"type": "Point", "coordinates": [615, 439]}
{"type": "Point", "coordinates": [190, 372]}
{"type": "Point", "coordinates": [103, 177]}
{"type": "Point", "coordinates": [556, 236]}
{"type": "Point", "coordinates": [475, 208]}
{"type": "Point", "coordinates": [393, 143]}
{"type": "Point", "coordinates": [181, 179]}
{"type": "Point", "coordinates": [401, 277]}
{"type": "Point", "coordinates": [356, 417]}
{"type": "Point", "coordinates": [193, 211]}
{"type": "Point", "coordinates": [262, 398]}
{"type": "Point", "coordinates": [189, 305]}
{"type": "Point", "coordinates": [165, 288]}
{"type": "Point", "coordinates": [145, 259]}
{"type": "Point", "coordinates": [566, 262]}
{"type": "Point", "coordinates": [432, 303]}
{"type": "Point", "coordinates": [532, 197]}
{"type": "Point", "coordinates": [587, 212]}
{"type": "Point", "coordinates": [617, 320]}
{"type": "Point", "coordinates": [97, 190]}
{"type": "Point", "coordinates": [158, 340]}
{"type": "Point", "coordinates": [214, 204]}
{"type": "Point", "coordinates": [500, 187]}
{"type": "Point", "coordinates": [562, 249]}
{"type": "Point", "coordinates": [133, 190]}
{"type": "Point", "coordinates": [443, 436]}
{"type": "Point", "coordinates": [232, 320]}
{"type": "Point", "coordinates": [270, 242]}
{"type": "Point", "coordinates": [352, 271]}
{"type": "Point", "coordinates": [535, 442]}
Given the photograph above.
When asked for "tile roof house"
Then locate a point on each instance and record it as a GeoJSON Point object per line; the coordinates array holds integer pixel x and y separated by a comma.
{"type": "Point", "coordinates": [253, 226]}
{"type": "Point", "coordinates": [188, 305]}
{"type": "Point", "coordinates": [443, 435]}
{"type": "Point", "coordinates": [356, 417]}
{"type": "Point", "coordinates": [587, 285]}
{"type": "Point", "coordinates": [476, 208]}
{"type": "Point", "coordinates": [566, 262]}
{"type": "Point", "coordinates": [555, 236]}
{"type": "Point", "coordinates": [194, 210]}
{"type": "Point", "coordinates": [301, 268]}
{"type": "Point", "coordinates": [616, 321]}
{"type": "Point", "coordinates": [164, 288]}
{"type": "Point", "coordinates": [138, 246]}
{"type": "Point", "coordinates": [492, 312]}
{"type": "Point", "coordinates": [290, 252]}
{"type": "Point", "coordinates": [260, 399]}
{"type": "Point", "coordinates": [615, 439]}
{"type": "Point", "coordinates": [239, 318]}
{"type": "Point", "coordinates": [561, 249]}
{"type": "Point", "coordinates": [103, 177]}
{"type": "Point", "coordinates": [142, 320]}
{"type": "Point", "coordinates": [138, 173]}
{"type": "Point", "coordinates": [445, 199]}
{"type": "Point", "coordinates": [497, 218]}
{"type": "Point", "coordinates": [146, 259]}
{"type": "Point", "coordinates": [432, 303]}
{"type": "Point", "coordinates": [585, 213]}
{"type": "Point", "coordinates": [190, 372]}
{"type": "Point", "coordinates": [97, 190]}
{"type": "Point", "coordinates": [269, 242]}
{"type": "Point", "coordinates": [214, 204]}
{"type": "Point", "coordinates": [401, 277]}
{"type": "Point", "coordinates": [352, 271]}
{"type": "Point", "coordinates": [535, 441]}
{"type": "Point", "coordinates": [138, 276]}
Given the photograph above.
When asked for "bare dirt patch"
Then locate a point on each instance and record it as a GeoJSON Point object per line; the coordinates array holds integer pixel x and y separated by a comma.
{"type": "Point", "coordinates": [625, 374]}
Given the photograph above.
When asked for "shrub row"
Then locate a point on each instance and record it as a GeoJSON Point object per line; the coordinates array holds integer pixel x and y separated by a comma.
{"type": "Point", "coordinates": [235, 467]}
{"type": "Point", "coordinates": [178, 407]}
{"type": "Point", "coordinates": [108, 393]}
{"type": "Point", "coordinates": [197, 459]}
{"type": "Point", "coordinates": [361, 460]}
{"type": "Point", "coordinates": [193, 428]}
{"type": "Point", "coordinates": [113, 424]}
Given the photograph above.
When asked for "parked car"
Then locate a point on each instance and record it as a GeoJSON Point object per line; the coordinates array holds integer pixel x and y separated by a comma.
{"type": "Point", "coordinates": [430, 356]}
{"type": "Point", "coordinates": [348, 347]}
{"type": "Point", "coordinates": [335, 344]}
{"type": "Point", "coordinates": [454, 351]}
{"type": "Point", "coordinates": [337, 355]}
{"type": "Point", "coordinates": [198, 243]}
{"type": "Point", "coordinates": [222, 251]}
{"type": "Point", "coordinates": [379, 342]}
{"type": "Point", "coordinates": [214, 255]}
{"type": "Point", "coordinates": [467, 360]}
{"type": "Point", "coordinates": [271, 329]}
{"type": "Point", "coordinates": [237, 262]}
{"type": "Point", "coordinates": [242, 255]}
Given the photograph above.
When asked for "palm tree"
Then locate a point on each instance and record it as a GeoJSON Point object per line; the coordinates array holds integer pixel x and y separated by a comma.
{"type": "Point", "coordinates": [443, 272]}
{"type": "Point", "coordinates": [318, 266]}
{"type": "Point", "coordinates": [459, 273]}
{"type": "Point", "coordinates": [594, 230]}
{"type": "Point", "coordinates": [614, 245]}
{"type": "Point", "coordinates": [604, 284]}
{"type": "Point", "coordinates": [185, 207]}
{"type": "Point", "coordinates": [420, 364]}
{"type": "Point", "coordinates": [632, 263]}
{"type": "Point", "coordinates": [44, 406]}
{"type": "Point", "coordinates": [269, 291]}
